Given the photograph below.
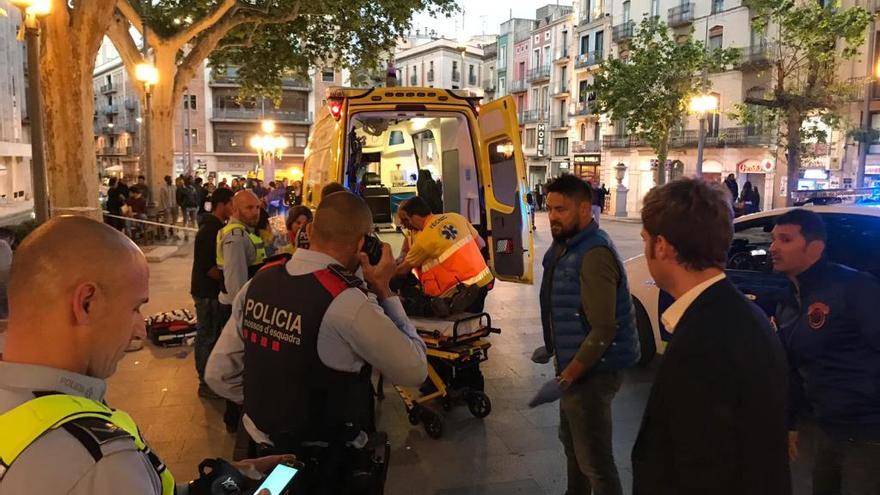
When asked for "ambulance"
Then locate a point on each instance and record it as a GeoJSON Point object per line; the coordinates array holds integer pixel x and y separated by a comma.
{"type": "Point", "coordinates": [389, 144]}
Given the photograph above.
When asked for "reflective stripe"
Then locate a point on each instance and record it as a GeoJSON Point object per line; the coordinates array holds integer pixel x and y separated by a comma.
{"type": "Point", "coordinates": [431, 263]}
{"type": "Point", "coordinates": [27, 422]}
{"type": "Point", "coordinates": [465, 265]}
{"type": "Point", "coordinates": [257, 241]}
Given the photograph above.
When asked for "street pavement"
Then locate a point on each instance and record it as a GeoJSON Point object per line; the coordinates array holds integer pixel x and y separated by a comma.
{"type": "Point", "coordinates": [515, 450]}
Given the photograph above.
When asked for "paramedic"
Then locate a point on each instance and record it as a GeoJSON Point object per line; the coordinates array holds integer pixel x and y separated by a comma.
{"type": "Point", "coordinates": [301, 365]}
{"type": "Point", "coordinates": [73, 311]}
{"type": "Point", "coordinates": [445, 253]}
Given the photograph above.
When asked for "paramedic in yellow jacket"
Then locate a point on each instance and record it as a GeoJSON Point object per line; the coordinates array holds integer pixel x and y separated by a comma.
{"type": "Point", "coordinates": [444, 251]}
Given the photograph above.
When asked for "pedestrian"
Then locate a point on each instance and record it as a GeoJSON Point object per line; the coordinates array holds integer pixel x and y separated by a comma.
{"type": "Point", "coordinates": [589, 326]}
{"type": "Point", "coordinates": [749, 199]}
{"type": "Point", "coordinates": [602, 193]}
{"type": "Point", "coordinates": [115, 201]}
{"type": "Point", "coordinates": [275, 198]}
{"type": "Point", "coordinates": [598, 201]}
{"type": "Point", "coordinates": [733, 187]}
{"type": "Point", "coordinates": [530, 200]}
{"type": "Point", "coordinates": [308, 379]}
{"type": "Point", "coordinates": [235, 185]}
{"type": "Point", "coordinates": [67, 332]}
{"type": "Point", "coordinates": [188, 199]}
{"type": "Point", "coordinates": [715, 418]}
{"type": "Point", "coordinates": [144, 188]}
{"type": "Point", "coordinates": [539, 195]}
{"type": "Point", "coordinates": [828, 325]}
{"type": "Point", "coordinates": [168, 204]}
{"type": "Point", "coordinates": [297, 218]}
{"type": "Point", "coordinates": [202, 193]}
{"type": "Point", "coordinates": [137, 209]}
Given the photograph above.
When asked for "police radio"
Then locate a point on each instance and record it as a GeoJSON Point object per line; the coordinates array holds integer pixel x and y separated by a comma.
{"type": "Point", "coordinates": [372, 248]}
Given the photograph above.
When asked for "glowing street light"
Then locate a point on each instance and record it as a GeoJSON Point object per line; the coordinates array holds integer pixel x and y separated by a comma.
{"type": "Point", "coordinates": [31, 12]}
{"type": "Point", "coordinates": [269, 147]}
{"type": "Point", "coordinates": [147, 74]}
{"type": "Point", "coordinates": [702, 105]}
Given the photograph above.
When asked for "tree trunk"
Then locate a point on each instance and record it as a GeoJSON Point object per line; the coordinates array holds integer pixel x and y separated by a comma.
{"type": "Point", "coordinates": [662, 153]}
{"type": "Point", "coordinates": [793, 152]}
{"type": "Point", "coordinates": [162, 109]}
{"type": "Point", "coordinates": [67, 63]}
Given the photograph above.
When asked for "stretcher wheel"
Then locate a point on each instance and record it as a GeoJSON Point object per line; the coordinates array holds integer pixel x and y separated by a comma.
{"type": "Point", "coordinates": [446, 404]}
{"type": "Point", "coordinates": [433, 425]}
{"type": "Point", "coordinates": [413, 417]}
{"type": "Point", "coordinates": [479, 404]}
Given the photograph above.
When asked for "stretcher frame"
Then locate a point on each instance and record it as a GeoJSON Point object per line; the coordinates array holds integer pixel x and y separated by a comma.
{"type": "Point", "coordinates": [458, 350]}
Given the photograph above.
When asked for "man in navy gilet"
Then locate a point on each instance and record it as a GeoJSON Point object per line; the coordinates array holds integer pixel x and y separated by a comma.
{"type": "Point", "coordinates": [589, 328]}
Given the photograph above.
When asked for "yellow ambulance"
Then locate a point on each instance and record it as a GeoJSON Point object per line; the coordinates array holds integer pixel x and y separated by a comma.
{"type": "Point", "coordinates": [388, 144]}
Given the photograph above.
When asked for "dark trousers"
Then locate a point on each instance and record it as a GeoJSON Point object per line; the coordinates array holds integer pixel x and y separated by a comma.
{"type": "Point", "coordinates": [232, 415]}
{"type": "Point", "coordinates": [846, 467]}
{"type": "Point", "coordinates": [208, 329]}
{"type": "Point", "coordinates": [585, 432]}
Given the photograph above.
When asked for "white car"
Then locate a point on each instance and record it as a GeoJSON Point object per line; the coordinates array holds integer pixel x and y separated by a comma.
{"type": "Point", "coordinates": [853, 240]}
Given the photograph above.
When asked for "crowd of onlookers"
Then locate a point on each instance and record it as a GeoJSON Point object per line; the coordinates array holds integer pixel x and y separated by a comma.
{"type": "Point", "coordinates": [181, 202]}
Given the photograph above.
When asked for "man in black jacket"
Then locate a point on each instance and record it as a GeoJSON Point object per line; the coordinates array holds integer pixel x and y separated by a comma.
{"type": "Point", "coordinates": [206, 282]}
{"type": "Point", "coordinates": [715, 419]}
{"type": "Point", "coordinates": [828, 325]}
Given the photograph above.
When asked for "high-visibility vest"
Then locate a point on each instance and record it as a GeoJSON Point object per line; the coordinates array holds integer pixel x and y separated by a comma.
{"type": "Point", "coordinates": [255, 239]}
{"type": "Point", "coordinates": [460, 262]}
{"type": "Point", "coordinates": [27, 422]}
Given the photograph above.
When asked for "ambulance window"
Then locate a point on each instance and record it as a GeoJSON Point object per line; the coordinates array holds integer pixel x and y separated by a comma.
{"type": "Point", "coordinates": [396, 138]}
{"type": "Point", "coordinates": [503, 168]}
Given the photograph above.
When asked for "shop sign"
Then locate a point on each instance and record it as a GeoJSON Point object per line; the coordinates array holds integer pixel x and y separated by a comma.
{"type": "Point", "coordinates": [587, 159]}
{"type": "Point", "coordinates": [541, 134]}
{"type": "Point", "coordinates": [820, 162]}
{"type": "Point", "coordinates": [872, 160]}
{"type": "Point", "coordinates": [755, 167]}
{"type": "Point", "coordinates": [872, 169]}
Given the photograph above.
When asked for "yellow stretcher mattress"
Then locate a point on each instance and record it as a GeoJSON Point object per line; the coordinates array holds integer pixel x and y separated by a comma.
{"type": "Point", "coordinates": [467, 324]}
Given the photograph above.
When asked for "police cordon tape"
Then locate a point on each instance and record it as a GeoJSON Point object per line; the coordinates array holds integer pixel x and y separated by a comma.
{"type": "Point", "coordinates": [150, 222]}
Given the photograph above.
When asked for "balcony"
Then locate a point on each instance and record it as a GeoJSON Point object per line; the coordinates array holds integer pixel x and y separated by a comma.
{"type": "Point", "coordinates": [110, 109]}
{"type": "Point", "coordinates": [559, 122]}
{"type": "Point", "coordinates": [255, 114]}
{"type": "Point", "coordinates": [131, 104]}
{"type": "Point", "coordinates": [561, 90]}
{"type": "Point", "coordinates": [589, 59]}
{"type": "Point", "coordinates": [456, 76]}
{"type": "Point", "coordinates": [756, 57]}
{"type": "Point", "coordinates": [430, 76]}
{"type": "Point", "coordinates": [296, 83]}
{"type": "Point", "coordinates": [229, 78]}
{"type": "Point", "coordinates": [413, 80]}
{"type": "Point", "coordinates": [488, 85]}
{"type": "Point", "coordinates": [472, 80]}
{"type": "Point", "coordinates": [623, 32]}
{"type": "Point", "coordinates": [683, 15]}
{"type": "Point", "coordinates": [108, 88]}
{"type": "Point", "coordinates": [518, 86]}
{"type": "Point", "coordinates": [109, 129]}
{"type": "Point", "coordinates": [586, 147]}
{"type": "Point", "coordinates": [562, 56]}
{"type": "Point", "coordinates": [539, 74]}
{"type": "Point", "coordinates": [717, 6]}
{"type": "Point", "coordinates": [112, 151]}
{"type": "Point", "coordinates": [731, 137]}
{"type": "Point", "coordinates": [532, 116]}
{"type": "Point", "coordinates": [585, 108]}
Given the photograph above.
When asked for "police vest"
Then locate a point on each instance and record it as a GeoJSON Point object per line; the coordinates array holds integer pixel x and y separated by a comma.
{"type": "Point", "coordinates": [24, 424]}
{"type": "Point", "coordinates": [289, 393]}
{"type": "Point", "coordinates": [256, 240]}
{"type": "Point", "coordinates": [458, 262]}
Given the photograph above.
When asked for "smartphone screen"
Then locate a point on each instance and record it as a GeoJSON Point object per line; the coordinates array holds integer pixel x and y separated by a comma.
{"type": "Point", "coordinates": [278, 479]}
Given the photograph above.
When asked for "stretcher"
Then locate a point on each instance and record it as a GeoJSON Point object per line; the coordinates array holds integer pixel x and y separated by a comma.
{"type": "Point", "coordinates": [455, 347]}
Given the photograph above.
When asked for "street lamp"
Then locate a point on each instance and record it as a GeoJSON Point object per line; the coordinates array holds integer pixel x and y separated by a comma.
{"type": "Point", "coordinates": [269, 147]}
{"type": "Point", "coordinates": [31, 12]}
{"type": "Point", "coordinates": [147, 74]}
{"type": "Point", "coordinates": [702, 105]}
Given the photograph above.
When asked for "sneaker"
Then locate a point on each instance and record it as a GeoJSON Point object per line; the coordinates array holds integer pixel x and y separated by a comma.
{"type": "Point", "coordinates": [135, 344]}
{"type": "Point", "coordinates": [205, 392]}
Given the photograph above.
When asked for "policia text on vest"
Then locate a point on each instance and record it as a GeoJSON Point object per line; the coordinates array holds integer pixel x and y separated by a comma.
{"type": "Point", "coordinates": [267, 321]}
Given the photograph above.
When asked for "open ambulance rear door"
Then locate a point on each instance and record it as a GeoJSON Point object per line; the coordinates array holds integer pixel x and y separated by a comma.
{"type": "Point", "coordinates": [511, 247]}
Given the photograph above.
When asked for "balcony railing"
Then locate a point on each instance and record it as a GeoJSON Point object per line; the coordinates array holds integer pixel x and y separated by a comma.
{"type": "Point", "coordinates": [431, 75]}
{"type": "Point", "coordinates": [108, 88]}
{"type": "Point", "coordinates": [532, 116]}
{"type": "Point", "coordinates": [588, 59]}
{"type": "Point", "coordinates": [488, 85]}
{"type": "Point", "coordinates": [518, 86]}
{"type": "Point", "coordinates": [560, 121]}
{"type": "Point", "coordinates": [456, 76]}
{"type": "Point", "coordinates": [757, 56]}
{"type": "Point", "coordinates": [562, 56]}
{"type": "Point", "coordinates": [296, 83]}
{"type": "Point", "coordinates": [539, 74]}
{"type": "Point", "coordinates": [109, 129]}
{"type": "Point", "coordinates": [586, 147]}
{"type": "Point", "coordinates": [110, 109]}
{"type": "Point", "coordinates": [560, 90]}
{"type": "Point", "coordinates": [258, 114]}
{"type": "Point", "coordinates": [728, 137]}
{"type": "Point", "coordinates": [623, 32]}
{"type": "Point", "coordinates": [585, 108]}
{"type": "Point", "coordinates": [131, 104]}
{"type": "Point", "coordinates": [717, 6]}
{"type": "Point", "coordinates": [472, 80]}
{"type": "Point", "coordinates": [681, 15]}
{"type": "Point", "coordinates": [230, 78]}
{"type": "Point", "coordinates": [413, 80]}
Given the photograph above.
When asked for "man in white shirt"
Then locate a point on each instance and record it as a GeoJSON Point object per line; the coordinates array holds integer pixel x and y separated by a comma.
{"type": "Point", "coordinates": [715, 419]}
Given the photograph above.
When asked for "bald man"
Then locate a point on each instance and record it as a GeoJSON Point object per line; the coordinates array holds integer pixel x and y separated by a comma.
{"type": "Point", "coordinates": [240, 250]}
{"type": "Point", "coordinates": [304, 334]}
{"type": "Point", "coordinates": [75, 297]}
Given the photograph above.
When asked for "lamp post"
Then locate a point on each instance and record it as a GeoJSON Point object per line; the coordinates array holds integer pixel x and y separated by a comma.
{"type": "Point", "coordinates": [147, 74]}
{"type": "Point", "coordinates": [269, 148]}
{"type": "Point", "coordinates": [31, 12]}
{"type": "Point", "coordinates": [702, 105]}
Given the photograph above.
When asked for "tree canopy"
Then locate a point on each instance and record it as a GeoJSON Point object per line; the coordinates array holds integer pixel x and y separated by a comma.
{"type": "Point", "coordinates": [649, 85]}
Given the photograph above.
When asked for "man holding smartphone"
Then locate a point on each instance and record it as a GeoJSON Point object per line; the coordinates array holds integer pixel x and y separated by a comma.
{"type": "Point", "coordinates": [303, 336]}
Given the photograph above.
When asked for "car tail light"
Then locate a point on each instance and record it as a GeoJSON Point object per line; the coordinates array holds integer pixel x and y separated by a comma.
{"type": "Point", "coordinates": [504, 246]}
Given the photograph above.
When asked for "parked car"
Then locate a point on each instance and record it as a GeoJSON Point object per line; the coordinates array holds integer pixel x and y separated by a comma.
{"type": "Point", "coordinates": [853, 240]}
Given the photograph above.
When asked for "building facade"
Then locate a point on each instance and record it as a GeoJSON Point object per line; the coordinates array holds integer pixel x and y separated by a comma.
{"type": "Point", "coordinates": [443, 63]}
{"type": "Point", "coordinates": [15, 149]}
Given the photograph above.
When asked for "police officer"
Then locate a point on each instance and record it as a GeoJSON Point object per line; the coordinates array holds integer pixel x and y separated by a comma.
{"type": "Point", "coordinates": [303, 334]}
{"type": "Point", "coordinates": [76, 291]}
{"type": "Point", "coordinates": [829, 328]}
{"type": "Point", "coordinates": [240, 250]}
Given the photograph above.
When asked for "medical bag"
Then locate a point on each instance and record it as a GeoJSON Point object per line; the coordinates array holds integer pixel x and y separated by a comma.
{"type": "Point", "coordinates": [171, 328]}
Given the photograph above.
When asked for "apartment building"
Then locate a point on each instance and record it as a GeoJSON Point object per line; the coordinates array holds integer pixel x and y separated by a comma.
{"type": "Point", "coordinates": [15, 149]}
{"type": "Point", "coordinates": [444, 63]}
{"type": "Point", "coordinates": [512, 32]}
